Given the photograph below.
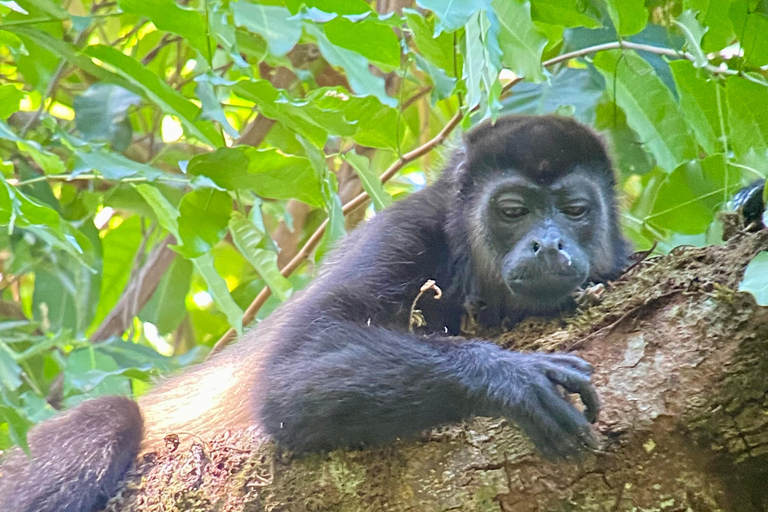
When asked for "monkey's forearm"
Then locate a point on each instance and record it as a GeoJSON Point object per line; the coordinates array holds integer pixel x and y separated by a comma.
{"type": "Point", "coordinates": [351, 385]}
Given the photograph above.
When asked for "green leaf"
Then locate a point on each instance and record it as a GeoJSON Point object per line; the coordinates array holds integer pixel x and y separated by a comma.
{"type": "Point", "coordinates": [69, 52]}
{"type": "Point", "coordinates": [360, 78]}
{"type": "Point", "coordinates": [691, 195]}
{"type": "Point", "coordinates": [212, 107]}
{"type": "Point", "coordinates": [167, 308]}
{"type": "Point", "coordinates": [169, 16]}
{"type": "Point", "coordinates": [273, 104]}
{"type": "Point", "coordinates": [278, 176]}
{"type": "Point", "coordinates": [167, 214]}
{"type": "Point", "coordinates": [752, 30]}
{"type": "Point", "coordinates": [51, 8]}
{"type": "Point", "coordinates": [10, 97]}
{"type": "Point", "coordinates": [566, 13]}
{"type": "Point", "coordinates": [203, 220]}
{"type": "Point", "coordinates": [482, 59]}
{"type": "Point", "coordinates": [437, 49]}
{"type": "Point", "coordinates": [217, 287]}
{"type": "Point", "coordinates": [101, 114]}
{"type": "Point", "coordinates": [650, 107]}
{"type": "Point", "coordinates": [628, 16]}
{"type": "Point", "coordinates": [453, 14]}
{"type": "Point", "coordinates": [272, 22]}
{"type": "Point", "coordinates": [337, 6]}
{"type": "Point", "coordinates": [520, 41]}
{"type": "Point", "coordinates": [713, 14]}
{"type": "Point", "coordinates": [375, 41]}
{"type": "Point", "coordinates": [248, 238]}
{"type": "Point", "coordinates": [698, 101]}
{"type": "Point", "coordinates": [49, 162]}
{"type": "Point", "coordinates": [112, 166]}
{"type": "Point", "coordinates": [159, 92]}
{"type": "Point", "coordinates": [755, 279]}
{"type": "Point", "coordinates": [18, 426]}
{"type": "Point", "coordinates": [693, 32]}
{"type": "Point", "coordinates": [10, 372]}
{"type": "Point", "coordinates": [747, 120]}
{"type": "Point", "coordinates": [371, 182]}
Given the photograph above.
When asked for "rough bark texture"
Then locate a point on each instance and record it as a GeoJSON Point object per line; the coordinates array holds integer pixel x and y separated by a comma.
{"type": "Point", "coordinates": [681, 366]}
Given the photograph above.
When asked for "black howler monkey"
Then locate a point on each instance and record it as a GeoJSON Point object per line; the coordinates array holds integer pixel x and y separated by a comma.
{"type": "Point", "coordinates": [523, 214]}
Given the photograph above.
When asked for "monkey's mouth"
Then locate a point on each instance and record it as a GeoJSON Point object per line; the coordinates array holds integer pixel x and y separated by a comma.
{"type": "Point", "coordinates": [552, 288]}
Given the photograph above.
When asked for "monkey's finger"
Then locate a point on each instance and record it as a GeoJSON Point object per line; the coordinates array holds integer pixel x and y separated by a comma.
{"type": "Point", "coordinates": [575, 382]}
{"type": "Point", "coordinates": [572, 361]}
{"type": "Point", "coordinates": [550, 438]}
{"type": "Point", "coordinates": [571, 421]}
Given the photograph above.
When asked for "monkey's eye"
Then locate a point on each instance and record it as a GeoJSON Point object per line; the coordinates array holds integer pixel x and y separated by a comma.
{"type": "Point", "coordinates": [575, 211]}
{"type": "Point", "coordinates": [513, 212]}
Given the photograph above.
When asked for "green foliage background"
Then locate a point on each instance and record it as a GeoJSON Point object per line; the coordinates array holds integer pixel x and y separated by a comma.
{"type": "Point", "coordinates": [128, 126]}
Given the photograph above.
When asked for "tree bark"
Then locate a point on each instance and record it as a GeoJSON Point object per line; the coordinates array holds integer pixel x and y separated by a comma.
{"type": "Point", "coordinates": [681, 364]}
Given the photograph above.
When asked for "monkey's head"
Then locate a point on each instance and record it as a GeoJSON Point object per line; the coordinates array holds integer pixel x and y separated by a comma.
{"type": "Point", "coordinates": [538, 211]}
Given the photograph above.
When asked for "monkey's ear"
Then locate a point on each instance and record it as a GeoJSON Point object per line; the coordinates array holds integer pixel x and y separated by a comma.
{"type": "Point", "coordinates": [456, 169]}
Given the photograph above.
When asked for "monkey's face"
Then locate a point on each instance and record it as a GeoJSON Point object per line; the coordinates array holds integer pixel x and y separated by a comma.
{"type": "Point", "coordinates": [546, 237]}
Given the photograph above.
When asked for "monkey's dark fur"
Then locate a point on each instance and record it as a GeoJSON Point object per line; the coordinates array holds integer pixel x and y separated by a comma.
{"type": "Point", "coordinates": [523, 214]}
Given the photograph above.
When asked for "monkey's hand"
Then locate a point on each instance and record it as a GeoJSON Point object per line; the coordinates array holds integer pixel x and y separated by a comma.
{"type": "Point", "coordinates": [528, 389]}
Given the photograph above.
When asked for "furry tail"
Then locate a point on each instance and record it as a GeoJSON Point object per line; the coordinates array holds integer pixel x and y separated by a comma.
{"type": "Point", "coordinates": [78, 459]}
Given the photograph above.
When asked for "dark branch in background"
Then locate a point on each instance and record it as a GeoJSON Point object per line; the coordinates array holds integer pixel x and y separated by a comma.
{"type": "Point", "coordinates": [138, 292]}
{"type": "Point", "coordinates": [363, 198]}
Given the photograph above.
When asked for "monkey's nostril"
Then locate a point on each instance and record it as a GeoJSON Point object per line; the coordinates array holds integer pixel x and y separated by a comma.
{"type": "Point", "coordinates": [560, 245]}
{"type": "Point", "coordinates": [536, 246]}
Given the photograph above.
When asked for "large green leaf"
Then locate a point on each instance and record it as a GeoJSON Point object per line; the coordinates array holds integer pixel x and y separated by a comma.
{"type": "Point", "coordinates": [651, 109]}
{"type": "Point", "coordinates": [713, 14]}
{"type": "Point", "coordinates": [566, 13]}
{"type": "Point", "coordinates": [452, 14]}
{"type": "Point", "coordinates": [166, 308]}
{"type": "Point", "coordinates": [203, 220]}
{"type": "Point", "coordinates": [752, 30]}
{"type": "Point", "coordinates": [169, 16]}
{"type": "Point", "coordinates": [101, 114]}
{"type": "Point", "coordinates": [278, 176]}
{"type": "Point", "coordinates": [268, 172]}
{"type": "Point", "coordinates": [371, 183]}
{"type": "Point", "coordinates": [373, 40]}
{"type": "Point", "coordinates": [698, 100]}
{"type": "Point", "coordinates": [360, 77]}
{"type": "Point", "coordinates": [521, 43]}
{"type": "Point", "coordinates": [691, 195]}
{"type": "Point", "coordinates": [217, 287]}
{"type": "Point", "coordinates": [747, 119]}
{"type": "Point", "coordinates": [272, 22]}
{"type": "Point", "coordinates": [755, 279]}
{"type": "Point", "coordinates": [248, 239]}
{"type": "Point", "coordinates": [273, 104]}
{"type": "Point", "coordinates": [10, 96]}
{"type": "Point", "coordinates": [69, 52]}
{"type": "Point", "coordinates": [628, 16]}
{"type": "Point", "coordinates": [159, 92]}
{"type": "Point", "coordinates": [168, 216]}
{"type": "Point", "coordinates": [437, 49]}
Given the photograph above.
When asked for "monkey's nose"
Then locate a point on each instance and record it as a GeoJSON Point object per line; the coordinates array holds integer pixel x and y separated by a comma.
{"type": "Point", "coordinates": [547, 245]}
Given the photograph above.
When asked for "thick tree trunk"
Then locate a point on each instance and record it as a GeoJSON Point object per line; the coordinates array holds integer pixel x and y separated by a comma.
{"type": "Point", "coordinates": [681, 366]}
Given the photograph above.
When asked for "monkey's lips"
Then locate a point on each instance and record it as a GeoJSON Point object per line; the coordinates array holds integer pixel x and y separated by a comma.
{"type": "Point", "coordinates": [546, 288]}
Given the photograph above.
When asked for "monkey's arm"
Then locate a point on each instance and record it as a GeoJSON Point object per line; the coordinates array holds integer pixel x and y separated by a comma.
{"type": "Point", "coordinates": [355, 385]}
